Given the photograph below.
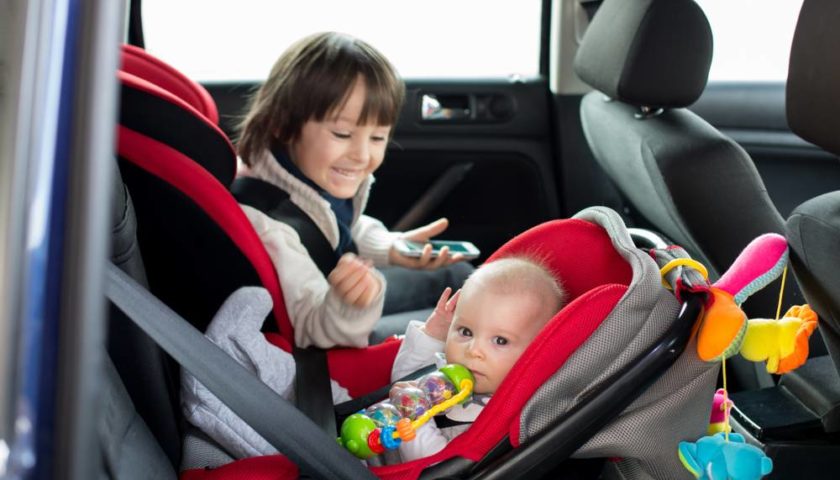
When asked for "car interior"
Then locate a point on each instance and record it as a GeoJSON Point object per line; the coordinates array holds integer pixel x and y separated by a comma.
{"type": "Point", "coordinates": [622, 126]}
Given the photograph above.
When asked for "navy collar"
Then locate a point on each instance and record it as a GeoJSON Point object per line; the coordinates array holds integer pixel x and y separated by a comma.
{"type": "Point", "coordinates": [341, 207]}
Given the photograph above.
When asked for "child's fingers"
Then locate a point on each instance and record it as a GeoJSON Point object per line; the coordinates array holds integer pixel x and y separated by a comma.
{"type": "Point", "coordinates": [355, 273]}
{"type": "Point", "coordinates": [340, 274]}
{"type": "Point", "coordinates": [342, 268]}
{"type": "Point", "coordinates": [368, 295]}
{"type": "Point", "coordinates": [354, 293]}
{"type": "Point", "coordinates": [426, 256]}
{"type": "Point", "coordinates": [455, 258]}
{"type": "Point", "coordinates": [441, 260]}
{"type": "Point", "coordinates": [369, 291]}
{"type": "Point", "coordinates": [362, 293]}
{"type": "Point", "coordinates": [428, 231]}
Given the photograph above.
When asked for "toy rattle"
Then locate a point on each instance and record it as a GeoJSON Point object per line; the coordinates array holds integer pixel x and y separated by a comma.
{"type": "Point", "coordinates": [411, 404]}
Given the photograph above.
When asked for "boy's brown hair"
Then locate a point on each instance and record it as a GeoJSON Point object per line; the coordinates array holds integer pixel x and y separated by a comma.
{"type": "Point", "coordinates": [312, 79]}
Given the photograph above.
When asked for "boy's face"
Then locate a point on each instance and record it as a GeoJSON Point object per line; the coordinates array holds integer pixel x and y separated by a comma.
{"type": "Point", "coordinates": [490, 331]}
{"type": "Point", "coordinates": [336, 153]}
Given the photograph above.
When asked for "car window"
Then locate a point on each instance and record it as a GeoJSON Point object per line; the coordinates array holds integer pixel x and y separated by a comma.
{"type": "Point", "coordinates": [239, 41]}
{"type": "Point", "coordinates": [752, 38]}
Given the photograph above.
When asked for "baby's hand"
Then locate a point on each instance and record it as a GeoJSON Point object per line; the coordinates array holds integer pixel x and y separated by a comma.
{"type": "Point", "coordinates": [354, 282]}
{"type": "Point", "coordinates": [437, 325]}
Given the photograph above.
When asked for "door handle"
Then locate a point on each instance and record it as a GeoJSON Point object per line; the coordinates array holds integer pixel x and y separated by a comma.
{"type": "Point", "coordinates": [466, 107]}
{"type": "Point", "coordinates": [444, 107]}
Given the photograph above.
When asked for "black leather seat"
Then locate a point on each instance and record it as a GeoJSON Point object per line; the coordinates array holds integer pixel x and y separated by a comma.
{"type": "Point", "coordinates": [648, 60]}
{"type": "Point", "coordinates": [813, 111]}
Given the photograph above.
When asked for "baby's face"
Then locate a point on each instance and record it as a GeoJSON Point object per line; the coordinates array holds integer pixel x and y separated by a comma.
{"type": "Point", "coordinates": [490, 331]}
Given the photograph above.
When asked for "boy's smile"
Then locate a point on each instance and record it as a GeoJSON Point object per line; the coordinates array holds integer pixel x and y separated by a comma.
{"type": "Point", "coordinates": [337, 153]}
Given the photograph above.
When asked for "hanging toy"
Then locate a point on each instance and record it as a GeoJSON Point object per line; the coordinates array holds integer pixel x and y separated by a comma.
{"type": "Point", "coordinates": [384, 425]}
{"type": "Point", "coordinates": [782, 343]}
{"type": "Point", "coordinates": [725, 329]}
{"type": "Point", "coordinates": [719, 418]}
{"type": "Point", "coordinates": [724, 457]}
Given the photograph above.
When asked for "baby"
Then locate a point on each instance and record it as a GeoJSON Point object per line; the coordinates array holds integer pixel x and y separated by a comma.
{"type": "Point", "coordinates": [485, 326]}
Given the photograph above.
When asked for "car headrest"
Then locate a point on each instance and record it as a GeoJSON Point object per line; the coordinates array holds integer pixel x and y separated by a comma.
{"type": "Point", "coordinates": [148, 108]}
{"type": "Point", "coordinates": [140, 63]}
{"type": "Point", "coordinates": [813, 96]}
{"type": "Point", "coordinates": [651, 53]}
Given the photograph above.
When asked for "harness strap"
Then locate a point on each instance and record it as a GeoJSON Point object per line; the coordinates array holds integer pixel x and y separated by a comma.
{"type": "Point", "coordinates": [313, 394]}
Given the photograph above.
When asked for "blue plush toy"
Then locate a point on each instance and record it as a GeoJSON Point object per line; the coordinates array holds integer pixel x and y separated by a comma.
{"type": "Point", "coordinates": [713, 458]}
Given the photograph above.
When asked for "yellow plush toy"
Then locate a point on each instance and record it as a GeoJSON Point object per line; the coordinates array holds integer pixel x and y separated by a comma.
{"type": "Point", "coordinates": [782, 343]}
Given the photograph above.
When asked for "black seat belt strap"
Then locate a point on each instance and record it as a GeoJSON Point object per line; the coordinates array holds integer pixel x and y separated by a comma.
{"type": "Point", "coordinates": [271, 416]}
{"type": "Point", "coordinates": [313, 394]}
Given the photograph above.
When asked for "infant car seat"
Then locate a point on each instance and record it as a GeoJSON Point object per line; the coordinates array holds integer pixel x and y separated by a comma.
{"type": "Point", "coordinates": [606, 377]}
{"type": "Point", "coordinates": [618, 311]}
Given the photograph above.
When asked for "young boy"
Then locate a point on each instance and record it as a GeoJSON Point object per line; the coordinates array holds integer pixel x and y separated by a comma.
{"type": "Point", "coordinates": [485, 326]}
{"type": "Point", "coordinates": [318, 129]}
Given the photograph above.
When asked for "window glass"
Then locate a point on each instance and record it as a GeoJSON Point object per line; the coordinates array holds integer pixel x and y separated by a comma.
{"type": "Point", "coordinates": [752, 38]}
{"type": "Point", "coordinates": [215, 40]}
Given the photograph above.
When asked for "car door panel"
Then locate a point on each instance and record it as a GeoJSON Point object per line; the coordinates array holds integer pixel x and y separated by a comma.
{"type": "Point", "coordinates": [489, 170]}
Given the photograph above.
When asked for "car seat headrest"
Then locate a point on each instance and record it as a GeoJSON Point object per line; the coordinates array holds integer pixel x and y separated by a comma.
{"type": "Point", "coordinates": [648, 53]}
{"type": "Point", "coordinates": [159, 114]}
{"type": "Point", "coordinates": [813, 97]}
{"type": "Point", "coordinates": [138, 62]}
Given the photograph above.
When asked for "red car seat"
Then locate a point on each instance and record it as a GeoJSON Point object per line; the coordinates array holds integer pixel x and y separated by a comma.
{"type": "Point", "coordinates": [197, 244]}
{"type": "Point", "coordinates": [587, 382]}
{"type": "Point", "coordinates": [137, 62]}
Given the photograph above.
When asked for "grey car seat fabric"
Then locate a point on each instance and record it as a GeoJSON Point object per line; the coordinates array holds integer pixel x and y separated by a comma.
{"type": "Point", "coordinates": [813, 111]}
{"type": "Point", "coordinates": [649, 59]}
{"type": "Point", "coordinates": [813, 231]}
{"type": "Point", "coordinates": [640, 434]}
{"type": "Point", "coordinates": [141, 382]}
{"type": "Point", "coordinates": [128, 448]}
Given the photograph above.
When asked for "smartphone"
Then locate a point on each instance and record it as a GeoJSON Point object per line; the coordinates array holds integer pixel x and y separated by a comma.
{"type": "Point", "coordinates": [415, 249]}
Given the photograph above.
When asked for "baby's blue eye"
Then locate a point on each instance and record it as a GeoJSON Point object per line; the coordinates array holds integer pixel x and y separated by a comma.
{"type": "Point", "coordinates": [500, 341]}
{"type": "Point", "coordinates": [464, 332]}
{"type": "Point", "coordinates": [341, 135]}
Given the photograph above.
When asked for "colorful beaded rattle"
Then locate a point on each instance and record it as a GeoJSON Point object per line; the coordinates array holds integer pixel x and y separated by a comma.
{"type": "Point", "coordinates": [388, 423]}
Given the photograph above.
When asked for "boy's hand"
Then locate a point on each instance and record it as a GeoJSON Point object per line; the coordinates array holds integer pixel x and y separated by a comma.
{"type": "Point", "coordinates": [425, 261]}
{"type": "Point", "coordinates": [437, 325]}
{"type": "Point", "coordinates": [354, 282]}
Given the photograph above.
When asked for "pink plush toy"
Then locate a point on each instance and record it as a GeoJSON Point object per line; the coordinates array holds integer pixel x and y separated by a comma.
{"type": "Point", "coordinates": [720, 412]}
